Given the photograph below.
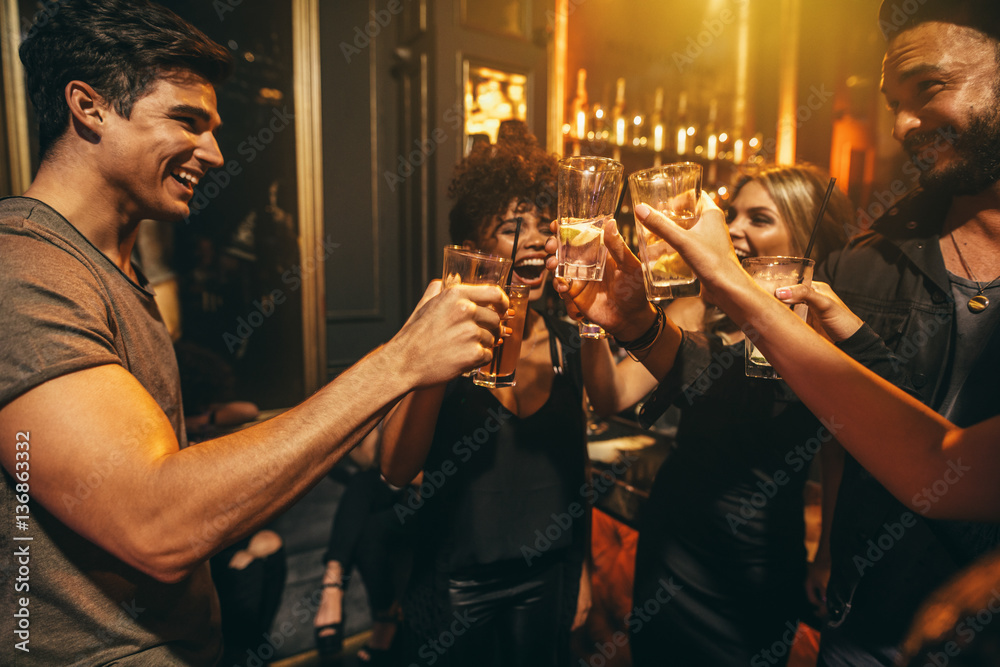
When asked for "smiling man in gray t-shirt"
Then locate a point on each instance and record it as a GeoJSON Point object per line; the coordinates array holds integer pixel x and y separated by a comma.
{"type": "Point", "coordinates": [114, 515]}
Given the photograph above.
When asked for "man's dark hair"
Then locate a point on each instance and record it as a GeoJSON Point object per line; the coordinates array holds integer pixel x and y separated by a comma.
{"type": "Point", "coordinates": [118, 47]}
{"type": "Point", "coordinates": [894, 16]}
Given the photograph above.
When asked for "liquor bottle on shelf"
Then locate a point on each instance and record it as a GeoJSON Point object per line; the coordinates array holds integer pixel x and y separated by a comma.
{"type": "Point", "coordinates": [712, 138]}
{"type": "Point", "coordinates": [580, 108]}
{"type": "Point", "coordinates": [685, 131]}
{"type": "Point", "coordinates": [656, 122]}
{"type": "Point", "coordinates": [618, 120]}
{"type": "Point", "coordinates": [619, 124]}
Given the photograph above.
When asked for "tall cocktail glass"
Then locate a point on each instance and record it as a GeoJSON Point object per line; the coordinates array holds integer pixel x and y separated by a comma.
{"type": "Point", "coordinates": [673, 190]}
{"type": "Point", "coordinates": [500, 372]}
{"type": "Point", "coordinates": [471, 267]}
{"type": "Point", "coordinates": [772, 273]}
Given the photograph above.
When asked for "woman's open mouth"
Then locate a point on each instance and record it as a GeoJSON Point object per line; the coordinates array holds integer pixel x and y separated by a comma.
{"type": "Point", "coordinates": [529, 270]}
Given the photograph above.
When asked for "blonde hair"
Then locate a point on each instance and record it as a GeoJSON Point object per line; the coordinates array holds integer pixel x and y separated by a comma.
{"type": "Point", "coordinates": [797, 193]}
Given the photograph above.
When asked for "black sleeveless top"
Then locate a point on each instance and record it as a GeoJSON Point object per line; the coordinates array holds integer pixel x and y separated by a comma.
{"type": "Point", "coordinates": [495, 483]}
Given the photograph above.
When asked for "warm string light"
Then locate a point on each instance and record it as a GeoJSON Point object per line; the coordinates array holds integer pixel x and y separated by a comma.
{"type": "Point", "coordinates": [658, 138]}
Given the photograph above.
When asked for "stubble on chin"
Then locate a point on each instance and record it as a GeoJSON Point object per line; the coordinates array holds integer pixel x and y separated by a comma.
{"type": "Point", "coordinates": [976, 163]}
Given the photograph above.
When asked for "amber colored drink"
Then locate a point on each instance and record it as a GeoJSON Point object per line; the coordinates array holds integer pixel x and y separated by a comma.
{"type": "Point", "coordinates": [500, 372]}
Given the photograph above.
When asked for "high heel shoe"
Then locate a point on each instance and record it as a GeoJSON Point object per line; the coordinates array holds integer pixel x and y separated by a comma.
{"type": "Point", "coordinates": [382, 657]}
{"type": "Point", "coordinates": [328, 643]}
{"type": "Point", "coordinates": [375, 657]}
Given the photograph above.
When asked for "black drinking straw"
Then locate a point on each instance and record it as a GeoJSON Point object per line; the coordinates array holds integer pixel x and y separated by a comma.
{"type": "Point", "coordinates": [513, 253]}
{"type": "Point", "coordinates": [819, 217]}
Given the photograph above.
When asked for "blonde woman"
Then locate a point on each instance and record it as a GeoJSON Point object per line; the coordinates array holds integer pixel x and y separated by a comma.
{"type": "Point", "coordinates": [724, 521]}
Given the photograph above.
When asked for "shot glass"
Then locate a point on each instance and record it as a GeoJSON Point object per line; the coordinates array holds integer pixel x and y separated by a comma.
{"type": "Point", "coordinates": [471, 267]}
{"type": "Point", "coordinates": [500, 372]}
{"type": "Point", "coordinates": [772, 273]}
{"type": "Point", "coordinates": [673, 190]}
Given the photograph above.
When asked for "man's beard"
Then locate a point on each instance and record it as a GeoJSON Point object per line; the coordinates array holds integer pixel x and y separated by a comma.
{"type": "Point", "coordinates": [976, 166]}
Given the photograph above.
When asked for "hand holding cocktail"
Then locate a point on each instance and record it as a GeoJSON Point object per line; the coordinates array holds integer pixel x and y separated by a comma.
{"type": "Point", "coordinates": [705, 247]}
{"type": "Point", "coordinates": [463, 266]}
{"type": "Point", "coordinates": [455, 329]}
{"type": "Point", "coordinates": [828, 314]}
{"type": "Point", "coordinates": [618, 301]}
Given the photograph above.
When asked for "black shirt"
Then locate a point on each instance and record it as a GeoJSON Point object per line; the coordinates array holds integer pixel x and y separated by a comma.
{"type": "Point", "coordinates": [497, 486]}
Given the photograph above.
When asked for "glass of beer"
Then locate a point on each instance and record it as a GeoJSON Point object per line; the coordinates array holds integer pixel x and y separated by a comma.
{"type": "Point", "coordinates": [589, 188]}
{"type": "Point", "coordinates": [506, 352]}
{"type": "Point", "coordinates": [772, 273]}
{"type": "Point", "coordinates": [674, 191]}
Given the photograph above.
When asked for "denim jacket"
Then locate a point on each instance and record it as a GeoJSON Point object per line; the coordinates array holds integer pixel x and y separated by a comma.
{"type": "Point", "coordinates": [887, 559]}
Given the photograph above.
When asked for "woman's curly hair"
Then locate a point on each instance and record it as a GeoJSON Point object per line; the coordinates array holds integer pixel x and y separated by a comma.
{"type": "Point", "coordinates": [486, 181]}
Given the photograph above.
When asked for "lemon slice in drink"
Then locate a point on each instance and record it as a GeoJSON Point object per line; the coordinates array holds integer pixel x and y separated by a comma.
{"type": "Point", "coordinates": [670, 266]}
{"type": "Point", "coordinates": [578, 237]}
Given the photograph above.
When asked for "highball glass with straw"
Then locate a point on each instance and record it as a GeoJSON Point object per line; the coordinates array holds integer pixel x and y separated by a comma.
{"type": "Point", "coordinates": [500, 371]}
{"type": "Point", "coordinates": [471, 267]}
{"type": "Point", "coordinates": [589, 189]}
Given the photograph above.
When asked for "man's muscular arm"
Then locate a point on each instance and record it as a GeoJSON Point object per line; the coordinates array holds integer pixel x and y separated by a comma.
{"type": "Point", "coordinates": [164, 510]}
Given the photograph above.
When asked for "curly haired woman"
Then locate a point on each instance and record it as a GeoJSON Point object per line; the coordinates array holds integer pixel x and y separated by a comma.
{"type": "Point", "coordinates": [485, 589]}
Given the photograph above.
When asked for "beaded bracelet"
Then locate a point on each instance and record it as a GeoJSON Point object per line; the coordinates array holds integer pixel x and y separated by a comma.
{"type": "Point", "coordinates": [646, 340]}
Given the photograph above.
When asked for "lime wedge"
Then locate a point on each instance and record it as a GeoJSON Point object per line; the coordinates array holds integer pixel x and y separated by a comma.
{"type": "Point", "coordinates": [567, 234]}
{"type": "Point", "coordinates": [670, 266]}
{"type": "Point", "coordinates": [579, 237]}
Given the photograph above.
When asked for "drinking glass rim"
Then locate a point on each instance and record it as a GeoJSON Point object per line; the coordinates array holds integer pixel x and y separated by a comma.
{"type": "Point", "coordinates": [479, 253]}
{"type": "Point", "coordinates": [606, 163]}
{"type": "Point", "coordinates": [663, 169]}
{"type": "Point", "coordinates": [775, 260]}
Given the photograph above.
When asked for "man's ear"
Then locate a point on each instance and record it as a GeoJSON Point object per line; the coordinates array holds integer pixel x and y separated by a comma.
{"type": "Point", "coordinates": [87, 109]}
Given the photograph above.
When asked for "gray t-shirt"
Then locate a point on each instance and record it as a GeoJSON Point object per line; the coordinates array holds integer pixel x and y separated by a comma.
{"type": "Point", "coordinates": [974, 331]}
{"type": "Point", "coordinates": [65, 308]}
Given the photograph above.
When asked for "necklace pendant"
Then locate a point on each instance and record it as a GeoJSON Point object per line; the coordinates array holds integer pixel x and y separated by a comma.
{"type": "Point", "coordinates": [978, 303]}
